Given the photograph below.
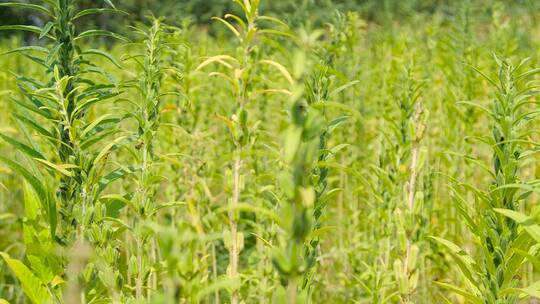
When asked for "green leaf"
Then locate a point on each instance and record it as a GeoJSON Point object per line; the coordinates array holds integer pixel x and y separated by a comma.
{"type": "Point", "coordinates": [109, 2]}
{"type": "Point", "coordinates": [315, 234]}
{"type": "Point", "coordinates": [34, 7]}
{"type": "Point", "coordinates": [229, 26]}
{"type": "Point", "coordinates": [62, 168]}
{"type": "Point", "coordinates": [27, 28]}
{"type": "Point", "coordinates": [105, 151]}
{"type": "Point", "coordinates": [41, 268]}
{"type": "Point", "coordinates": [519, 249]}
{"type": "Point", "coordinates": [46, 29]}
{"type": "Point", "coordinates": [101, 33]}
{"type": "Point", "coordinates": [238, 20]}
{"type": "Point", "coordinates": [114, 175]}
{"type": "Point", "coordinates": [27, 48]}
{"type": "Point", "coordinates": [476, 105]}
{"type": "Point", "coordinates": [524, 187]}
{"type": "Point", "coordinates": [31, 285]}
{"type": "Point", "coordinates": [115, 203]}
{"type": "Point", "coordinates": [273, 19]}
{"type": "Point", "coordinates": [103, 54]}
{"type": "Point", "coordinates": [528, 223]}
{"type": "Point", "coordinates": [31, 202]}
{"type": "Point", "coordinates": [336, 123]}
{"type": "Point", "coordinates": [219, 284]}
{"type": "Point", "coordinates": [464, 261]}
{"type": "Point", "coordinates": [338, 148]}
{"type": "Point", "coordinates": [532, 290]}
{"type": "Point", "coordinates": [99, 136]}
{"type": "Point", "coordinates": [344, 87]}
{"type": "Point", "coordinates": [469, 296]}
{"type": "Point", "coordinates": [281, 69]}
{"type": "Point", "coordinates": [527, 74]}
{"type": "Point", "coordinates": [485, 76]}
{"type": "Point", "coordinates": [34, 125]}
{"type": "Point", "coordinates": [22, 147]}
{"type": "Point", "coordinates": [36, 183]}
{"type": "Point", "coordinates": [278, 33]}
{"type": "Point", "coordinates": [166, 205]}
{"type": "Point", "coordinates": [91, 11]}
{"type": "Point", "coordinates": [221, 59]}
{"type": "Point", "coordinates": [92, 125]}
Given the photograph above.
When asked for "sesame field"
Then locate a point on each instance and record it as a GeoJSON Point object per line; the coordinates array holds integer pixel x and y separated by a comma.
{"type": "Point", "coordinates": [279, 152]}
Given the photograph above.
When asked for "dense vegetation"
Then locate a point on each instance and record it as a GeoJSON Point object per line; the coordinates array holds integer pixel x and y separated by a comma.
{"type": "Point", "coordinates": [339, 152]}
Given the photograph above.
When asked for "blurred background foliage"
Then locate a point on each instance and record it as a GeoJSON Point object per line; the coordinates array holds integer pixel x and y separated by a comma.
{"type": "Point", "coordinates": [294, 12]}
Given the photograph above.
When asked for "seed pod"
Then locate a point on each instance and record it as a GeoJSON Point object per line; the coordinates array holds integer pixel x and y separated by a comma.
{"type": "Point", "coordinates": [413, 280]}
{"type": "Point", "coordinates": [227, 239]}
{"type": "Point", "coordinates": [240, 241]}
{"type": "Point", "coordinates": [400, 276]}
{"type": "Point", "coordinates": [413, 257]}
{"type": "Point", "coordinates": [308, 196]}
{"type": "Point", "coordinates": [402, 238]}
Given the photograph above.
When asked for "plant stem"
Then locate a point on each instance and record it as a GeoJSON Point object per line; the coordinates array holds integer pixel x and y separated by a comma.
{"type": "Point", "coordinates": [233, 253]}
{"type": "Point", "coordinates": [292, 292]}
{"type": "Point", "coordinates": [139, 280]}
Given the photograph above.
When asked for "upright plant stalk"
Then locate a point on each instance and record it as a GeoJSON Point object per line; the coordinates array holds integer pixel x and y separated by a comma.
{"type": "Point", "coordinates": [318, 93]}
{"type": "Point", "coordinates": [493, 279]}
{"type": "Point", "coordinates": [501, 233]}
{"type": "Point", "coordinates": [307, 153]}
{"type": "Point", "coordinates": [64, 30]}
{"type": "Point", "coordinates": [407, 269]}
{"type": "Point", "coordinates": [242, 68]}
{"type": "Point", "coordinates": [396, 190]}
{"type": "Point", "coordinates": [300, 154]}
{"type": "Point", "coordinates": [73, 154]}
{"type": "Point", "coordinates": [408, 214]}
{"type": "Point", "coordinates": [148, 118]}
{"type": "Point", "coordinates": [64, 60]}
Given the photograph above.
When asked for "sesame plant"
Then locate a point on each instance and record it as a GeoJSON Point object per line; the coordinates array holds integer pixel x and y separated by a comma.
{"type": "Point", "coordinates": [401, 195]}
{"type": "Point", "coordinates": [242, 66]}
{"type": "Point", "coordinates": [283, 152]}
{"type": "Point", "coordinates": [147, 116]}
{"type": "Point", "coordinates": [66, 158]}
{"type": "Point", "coordinates": [410, 211]}
{"type": "Point", "coordinates": [301, 142]}
{"type": "Point", "coordinates": [494, 277]}
{"type": "Point", "coordinates": [308, 159]}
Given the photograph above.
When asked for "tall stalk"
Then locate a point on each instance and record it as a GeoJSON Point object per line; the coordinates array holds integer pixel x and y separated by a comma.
{"type": "Point", "coordinates": [59, 111]}
{"type": "Point", "coordinates": [242, 68]}
{"type": "Point", "coordinates": [493, 279]}
{"type": "Point", "coordinates": [307, 156]}
{"type": "Point", "coordinates": [395, 190]}
{"type": "Point", "coordinates": [148, 112]}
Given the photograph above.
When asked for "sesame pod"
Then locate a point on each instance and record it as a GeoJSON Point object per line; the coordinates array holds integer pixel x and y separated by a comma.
{"type": "Point", "coordinates": [500, 275]}
{"type": "Point", "coordinates": [413, 281]}
{"type": "Point", "coordinates": [413, 257]}
{"type": "Point", "coordinates": [308, 196]}
{"type": "Point", "coordinates": [227, 239]}
{"type": "Point", "coordinates": [240, 241]}
{"type": "Point", "coordinates": [402, 238]}
{"type": "Point", "coordinates": [401, 278]}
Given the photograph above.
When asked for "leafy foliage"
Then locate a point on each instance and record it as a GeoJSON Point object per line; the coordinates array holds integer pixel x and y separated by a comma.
{"type": "Point", "coordinates": [269, 152]}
